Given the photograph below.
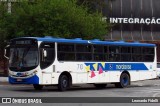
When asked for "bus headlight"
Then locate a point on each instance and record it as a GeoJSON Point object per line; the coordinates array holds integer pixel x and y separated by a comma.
{"type": "Point", "coordinates": [11, 73]}
{"type": "Point", "coordinates": [35, 71]}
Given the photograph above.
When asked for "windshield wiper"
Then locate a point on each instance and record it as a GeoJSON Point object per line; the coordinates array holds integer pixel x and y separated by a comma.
{"type": "Point", "coordinates": [24, 55]}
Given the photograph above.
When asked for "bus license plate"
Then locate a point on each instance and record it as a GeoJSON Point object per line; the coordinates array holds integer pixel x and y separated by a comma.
{"type": "Point", "coordinates": [19, 80]}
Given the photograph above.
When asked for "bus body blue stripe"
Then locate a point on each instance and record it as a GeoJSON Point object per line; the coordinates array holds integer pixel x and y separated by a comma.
{"type": "Point", "coordinates": [117, 66]}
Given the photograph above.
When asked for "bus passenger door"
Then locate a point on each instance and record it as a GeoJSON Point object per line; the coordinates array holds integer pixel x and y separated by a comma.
{"type": "Point", "coordinates": [47, 57]}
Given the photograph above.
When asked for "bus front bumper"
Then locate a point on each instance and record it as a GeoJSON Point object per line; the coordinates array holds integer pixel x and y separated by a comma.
{"type": "Point", "coordinates": [32, 80]}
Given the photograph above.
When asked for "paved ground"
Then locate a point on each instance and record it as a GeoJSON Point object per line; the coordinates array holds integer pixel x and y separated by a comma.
{"type": "Point", "coordinates": [148, 88]}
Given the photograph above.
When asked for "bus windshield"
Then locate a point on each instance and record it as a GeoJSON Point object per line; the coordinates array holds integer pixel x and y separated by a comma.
{"type": "Point", "coordinates": [23, 58]}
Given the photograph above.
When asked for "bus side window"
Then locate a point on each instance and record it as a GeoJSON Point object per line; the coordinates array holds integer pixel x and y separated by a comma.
{"type": "Point", "coordinates": [114, 53]}
{"type": "Point", "coordinates": [114, 49]}
{"type": "Point", "coordinates": [66, 52]}
{"type": "Point", "coordinates": [137, 54]}
{"type": "Point", "coordinates": [148, 55]}
{"type": "Point", "coordinates": [125, 53]}
{"type": "Point", "coordinates": [98, 52]}
{"type": "Point", "coordinates": [83, 52]}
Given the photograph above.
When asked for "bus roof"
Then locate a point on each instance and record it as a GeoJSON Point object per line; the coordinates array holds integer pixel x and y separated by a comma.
{"type": "Point", "coordinates": [95, 41]}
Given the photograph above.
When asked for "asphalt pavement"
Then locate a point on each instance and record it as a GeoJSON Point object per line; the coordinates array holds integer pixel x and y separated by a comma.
{"type": "Point", "coordinates": [147, 88]}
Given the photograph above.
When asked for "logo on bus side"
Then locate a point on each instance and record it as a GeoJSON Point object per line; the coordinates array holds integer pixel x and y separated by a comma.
{"type": "Point", "coordinates": [104, 67]}
{"type": "Point", "coordinates": [91, 67]}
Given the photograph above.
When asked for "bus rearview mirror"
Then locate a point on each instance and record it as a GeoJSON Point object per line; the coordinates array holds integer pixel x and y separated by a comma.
{"type": "Point", "coordinates": [7, 51]}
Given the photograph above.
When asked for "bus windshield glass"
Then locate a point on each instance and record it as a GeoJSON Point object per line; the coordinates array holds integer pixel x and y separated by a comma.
{"type": "Point", "coordinates": [23, 57]}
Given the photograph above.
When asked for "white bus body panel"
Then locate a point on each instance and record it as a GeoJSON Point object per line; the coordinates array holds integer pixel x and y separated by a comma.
{"type": "Point", "coordinates": [81, 74]}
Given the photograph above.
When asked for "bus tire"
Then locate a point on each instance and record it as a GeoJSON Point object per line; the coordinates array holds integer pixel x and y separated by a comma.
{"type": "Point", "coordinates": [38, 87]}
{"type": "Point", "coordinates": [100, 85]}
{"type": "Point", "coordinates": [63, 83]}
{"type": "Point", "coordinates": [124, 81]}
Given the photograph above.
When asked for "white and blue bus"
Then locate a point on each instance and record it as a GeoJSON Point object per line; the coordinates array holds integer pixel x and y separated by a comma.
{"type": "Point", "coordinates": [43, 61]}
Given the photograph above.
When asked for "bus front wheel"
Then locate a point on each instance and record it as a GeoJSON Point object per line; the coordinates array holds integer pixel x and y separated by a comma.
{"type": "Point", "coordinates": [37, 87]}
{"type": "Point", "coordinates": [124, 81]}
{"type": "Point", "coordinates": [63, 83]}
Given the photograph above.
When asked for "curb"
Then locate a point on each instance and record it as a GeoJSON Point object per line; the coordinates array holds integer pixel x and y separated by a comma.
{"type": "Point", "coordinates": [3, 79]}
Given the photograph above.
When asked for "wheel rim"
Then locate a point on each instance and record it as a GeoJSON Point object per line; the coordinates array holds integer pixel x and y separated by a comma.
{"type": "Point", "coordinates": [65, 83]}
{"type": "Point", "coordinates": [125, 81]}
